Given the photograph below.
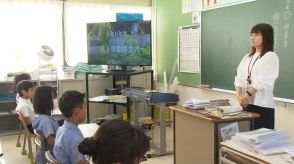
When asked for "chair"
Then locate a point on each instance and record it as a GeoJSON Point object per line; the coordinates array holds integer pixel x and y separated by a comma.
{"type": "Point", "coordinates": [27, 135]}
{"type": "Point", "coordinates": [150, 124]}
{"type": "Point", "coordinates": [40, 144]}
{"type": "Point", "coordinates": [50, 159]}
{"type": "Point", "coordinates": [18, 144]}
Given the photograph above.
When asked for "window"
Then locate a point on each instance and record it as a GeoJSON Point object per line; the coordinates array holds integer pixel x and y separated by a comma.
{"type": "Point", "coordinates": [25, 26]}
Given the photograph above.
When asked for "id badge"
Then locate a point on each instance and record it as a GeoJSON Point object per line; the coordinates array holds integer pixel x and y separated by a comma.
{"type": "Point", "coordinates": [251, 98]}
{"type": "Point", "coordinates": [248, 85]}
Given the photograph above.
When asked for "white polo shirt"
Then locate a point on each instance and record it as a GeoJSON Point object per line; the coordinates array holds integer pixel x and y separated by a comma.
{"type": "Point", "coordinates": [25, 107]}
{"type": "Point", "coordinates": [264, 73]}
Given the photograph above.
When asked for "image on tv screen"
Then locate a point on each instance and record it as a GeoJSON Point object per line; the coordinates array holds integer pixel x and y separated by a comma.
{"type": "Point", "coordinates": [119, 43]}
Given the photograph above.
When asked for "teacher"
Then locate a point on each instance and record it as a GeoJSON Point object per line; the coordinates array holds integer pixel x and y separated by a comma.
{"type": "Point", "coordinates": [256, 76]}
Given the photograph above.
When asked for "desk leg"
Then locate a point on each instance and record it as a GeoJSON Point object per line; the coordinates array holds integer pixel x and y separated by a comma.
{"type": "Point", "coordinates": [135, 112]}
{"type": "Point", "coordinates": [162, 148]}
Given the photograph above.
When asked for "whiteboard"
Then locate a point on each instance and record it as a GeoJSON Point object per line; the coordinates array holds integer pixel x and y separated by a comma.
{"type": "Point", "coordinates": [189, 49]}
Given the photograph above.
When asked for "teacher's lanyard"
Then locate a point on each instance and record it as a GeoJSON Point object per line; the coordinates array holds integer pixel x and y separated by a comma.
{"type": "Point", "coordinates": [250, 70]}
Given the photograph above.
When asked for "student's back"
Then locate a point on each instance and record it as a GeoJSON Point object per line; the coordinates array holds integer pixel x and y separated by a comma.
{"type": "Point", "coordinates": [67, 138]}
{"type": "Point", "coordinates": [42, 121]}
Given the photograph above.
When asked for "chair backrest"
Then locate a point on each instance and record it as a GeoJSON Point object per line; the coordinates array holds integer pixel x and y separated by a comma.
{"type": "Point", "coordinates": [50, 159]}
{"type": "Point", "coordinates": [40, 144]}
{"type": "Point", "coordinates": [20, 117]}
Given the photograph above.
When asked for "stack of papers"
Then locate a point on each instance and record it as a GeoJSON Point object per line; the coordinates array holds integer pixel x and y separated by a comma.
{"type": "Point", "coordinates": [112, 98]}
{"type": "Point", "coordinates": [201, 104]}
{"type": "Point", "coordinates": [196, 103]}
{"type": "Point", "coordinates": [230, 109]}
{"type": "Point", "coordinates": [290, 151]}
{"type": "Point", "coordinates": [265, 141]}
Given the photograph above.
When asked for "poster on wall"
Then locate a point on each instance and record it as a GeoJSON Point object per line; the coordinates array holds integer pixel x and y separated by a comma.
{"type": "Point", "coordinates": [189, 49]}
{"type": "Point", "coordinates": [232, 2]}
{"type": "Point", "coordinates": [212, 4]}
{"type": "Point", "coordinates": [191, 5]}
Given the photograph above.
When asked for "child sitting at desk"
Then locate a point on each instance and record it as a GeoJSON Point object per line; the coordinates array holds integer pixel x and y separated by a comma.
{"type": "Point", "coordinates": [25, 89]}
{"type": "Point", "coordinates": [116, 141]}
{"type": "Point", "coordinates": [42, 121]}
{"type": "Point", "coordinates": [69, 135]}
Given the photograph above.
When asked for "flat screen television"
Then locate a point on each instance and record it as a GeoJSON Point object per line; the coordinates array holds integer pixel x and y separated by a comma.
{"type": "Point", "coordinates": [126, 43]}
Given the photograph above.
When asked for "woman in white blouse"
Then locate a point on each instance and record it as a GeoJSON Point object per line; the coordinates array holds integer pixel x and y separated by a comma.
{"type": "Point", "coordinates": [256, 76]}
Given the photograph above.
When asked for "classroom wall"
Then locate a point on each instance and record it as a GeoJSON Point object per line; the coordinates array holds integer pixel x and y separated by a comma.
{"type": "Point", "coordinates": [168, 19]}
{"type": "Point", "coordinates": [284, 115]}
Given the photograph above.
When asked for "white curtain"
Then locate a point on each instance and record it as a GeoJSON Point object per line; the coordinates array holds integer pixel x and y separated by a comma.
{"type": "Point", "coordinates": [25, 26]}
{"type": "Point", "coordinates": [77, 15]}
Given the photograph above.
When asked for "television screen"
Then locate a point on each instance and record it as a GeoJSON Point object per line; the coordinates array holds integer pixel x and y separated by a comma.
{"type": "Point", "coordinates": [119, 43]}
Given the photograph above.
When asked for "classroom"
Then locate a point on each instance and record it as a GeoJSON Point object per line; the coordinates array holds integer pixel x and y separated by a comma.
{"type": "Point", "coordinates": [147, 81]}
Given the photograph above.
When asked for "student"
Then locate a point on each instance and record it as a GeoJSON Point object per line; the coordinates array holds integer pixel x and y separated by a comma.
{"type": "Point", "coordinates": [256, 76]}
{"type": "Point", "coordinates": [116, 142]}
{"type": "Point", "coordinates": [25, 89]}
{"type": "Point", "coordinates": [18, 78]}
{"type": "Point", "coordinates": [42, 121]}
{"type": "Point", "coordinates": [69, 135]}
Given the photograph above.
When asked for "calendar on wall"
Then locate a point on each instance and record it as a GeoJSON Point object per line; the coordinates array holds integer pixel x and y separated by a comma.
{"type": "Point", "coordinates": [189, 49]}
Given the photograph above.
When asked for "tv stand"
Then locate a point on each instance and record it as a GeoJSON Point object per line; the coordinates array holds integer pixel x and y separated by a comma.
{"type": "Point", "coordinates": [119, 71]}
{"type": "Point", "coordinates": [126, 68]}
{"type": "Point", "coordinates": [116, 73]}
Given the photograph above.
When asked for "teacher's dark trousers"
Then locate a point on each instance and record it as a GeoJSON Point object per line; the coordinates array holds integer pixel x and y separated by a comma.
{"type": "Point", "coordinates": [266, 119]}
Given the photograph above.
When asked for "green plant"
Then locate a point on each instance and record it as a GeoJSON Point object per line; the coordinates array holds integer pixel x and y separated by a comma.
{"type": "Point", "coordinates": [11, 74]}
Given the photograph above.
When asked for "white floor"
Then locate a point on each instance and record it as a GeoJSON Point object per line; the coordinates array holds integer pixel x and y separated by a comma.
{"type": "Point", "coordinates": [12, 154]}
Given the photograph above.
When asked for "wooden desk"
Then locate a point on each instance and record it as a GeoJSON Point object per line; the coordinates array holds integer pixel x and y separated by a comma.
{"type": "Point", "coordinates": [197, 136]}
{"type": "Point", "coordinates": [88, 130]}
{"type": "Point", "coordinates": [236, 152]}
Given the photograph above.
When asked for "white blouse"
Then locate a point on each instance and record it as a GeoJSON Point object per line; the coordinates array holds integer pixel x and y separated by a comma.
{"type": "Point", "coordinates": [264, 73]}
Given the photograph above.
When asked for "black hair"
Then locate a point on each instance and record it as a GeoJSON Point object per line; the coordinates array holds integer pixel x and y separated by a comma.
{"type": "Point", "coordinates": [116, 141]}
{"type": "Point", "coordinates": [267, 34]}
{"type": "Point", "coordinates": [18, 78]}
{"type": "Point", "coordinates": [23, 85]}
{"type": "Point", "coordinates": [43, 100]}
{"type": "Point", "coordinates": [69, 101]}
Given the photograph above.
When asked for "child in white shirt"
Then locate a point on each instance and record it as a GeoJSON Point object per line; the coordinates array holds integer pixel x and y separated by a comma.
{"type": "Point", "coordinates": [25, 89]}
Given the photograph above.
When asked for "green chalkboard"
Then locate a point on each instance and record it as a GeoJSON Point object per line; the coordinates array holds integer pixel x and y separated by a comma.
{"type": "Point", "coordinates": [225, 40]}
{"type": "Point", "coordinates": [168, 19]}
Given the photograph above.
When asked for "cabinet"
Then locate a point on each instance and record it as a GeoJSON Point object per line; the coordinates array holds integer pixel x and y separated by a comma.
{"type": "Point", "coordinates": [9, 120]}
{"type": "Point", "coordinates": [124, 79]}
{"type": "Point", "coordinates": [48, 76]}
